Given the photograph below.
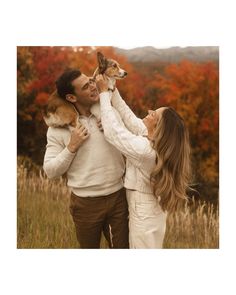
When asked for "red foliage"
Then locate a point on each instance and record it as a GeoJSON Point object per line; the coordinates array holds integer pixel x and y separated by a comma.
{"type": "Point", "coordinates": [41, 98]}
{"type": "Point", "coordinates": [192, 88]}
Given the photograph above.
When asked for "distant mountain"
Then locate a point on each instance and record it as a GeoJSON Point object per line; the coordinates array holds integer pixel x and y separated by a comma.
{"type": "Point", "coordinates": [172, 54]}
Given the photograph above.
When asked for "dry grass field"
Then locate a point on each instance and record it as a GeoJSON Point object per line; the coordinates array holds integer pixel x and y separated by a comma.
{"type": "Point", "coordinates": [44, 221]}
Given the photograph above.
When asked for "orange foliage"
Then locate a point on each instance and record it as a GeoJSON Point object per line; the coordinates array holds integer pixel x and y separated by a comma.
{"type": "Point", "coordinates": [191, 88]}
{"type": "Point", "coordinates": [41, 98]}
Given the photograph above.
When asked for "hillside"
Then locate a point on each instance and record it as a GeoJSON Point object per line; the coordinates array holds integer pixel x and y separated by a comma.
{"type": "Point", "coordinates": [172, 54]}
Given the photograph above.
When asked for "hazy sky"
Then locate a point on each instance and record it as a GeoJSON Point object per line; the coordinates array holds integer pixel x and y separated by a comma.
{"type": "Point", "coordinates": [130, 47]}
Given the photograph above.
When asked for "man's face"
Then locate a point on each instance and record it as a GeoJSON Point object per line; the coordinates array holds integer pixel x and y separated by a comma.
{"type": "Point", "coordinates": [85, 90]}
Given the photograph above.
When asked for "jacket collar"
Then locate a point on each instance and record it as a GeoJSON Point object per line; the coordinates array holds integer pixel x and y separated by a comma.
{"type": "Point", "coordinates": [95, 111]}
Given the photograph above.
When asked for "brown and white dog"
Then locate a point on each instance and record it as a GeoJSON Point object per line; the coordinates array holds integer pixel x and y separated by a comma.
{"type": "Point", "coordinates": [60, 112]}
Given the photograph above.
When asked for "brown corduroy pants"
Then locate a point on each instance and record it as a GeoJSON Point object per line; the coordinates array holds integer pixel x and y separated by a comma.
{"type": "Point", "coordinates": [94, 215]}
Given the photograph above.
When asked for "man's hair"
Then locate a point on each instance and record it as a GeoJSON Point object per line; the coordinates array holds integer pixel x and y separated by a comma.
{"type": "Point", "coordinates": [63, 83]}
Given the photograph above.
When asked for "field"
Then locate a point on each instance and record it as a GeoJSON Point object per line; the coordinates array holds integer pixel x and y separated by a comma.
{"type": "Point", "coordinates": [44, 221]}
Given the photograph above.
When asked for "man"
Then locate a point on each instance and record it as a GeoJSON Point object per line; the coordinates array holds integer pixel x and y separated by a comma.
{"type": "Point", "coordinates": [94, 168]}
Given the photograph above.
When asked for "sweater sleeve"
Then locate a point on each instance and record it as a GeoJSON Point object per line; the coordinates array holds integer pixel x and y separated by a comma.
{"type": "Point", "coordinates": [57, 158]}
{"type": "Point", "coordinates": [134, 124]}
{"type": "Point", "coordinates": [129, 144]}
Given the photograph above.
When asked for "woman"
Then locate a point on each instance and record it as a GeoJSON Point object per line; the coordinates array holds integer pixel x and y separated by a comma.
{"type": "Point", "coordinates": [157, 167]}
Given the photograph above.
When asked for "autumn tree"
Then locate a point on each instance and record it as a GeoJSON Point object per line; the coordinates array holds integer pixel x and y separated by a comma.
{"type": "Point", "coordinates": [193, 90]}
{"type": "Point", "coordinates": [37, 70]}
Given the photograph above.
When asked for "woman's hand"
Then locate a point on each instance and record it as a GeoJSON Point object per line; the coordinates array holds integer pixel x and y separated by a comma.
{"type": "Point", "coordinates": [102, 83]}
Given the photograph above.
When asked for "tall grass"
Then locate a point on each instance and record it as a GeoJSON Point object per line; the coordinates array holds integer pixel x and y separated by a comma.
{"type": "Point", "coordinates": [44, 220]}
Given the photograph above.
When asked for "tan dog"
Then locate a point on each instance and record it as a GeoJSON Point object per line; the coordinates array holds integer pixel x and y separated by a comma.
{"type": "Point", "coordinates": [60, 112]}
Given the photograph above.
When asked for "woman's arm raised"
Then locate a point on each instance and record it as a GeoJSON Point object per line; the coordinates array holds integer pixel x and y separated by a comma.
{"type": "Point", "coordinates": [134, 124]}
{"type": "Point", "coordinates": [132, 146]}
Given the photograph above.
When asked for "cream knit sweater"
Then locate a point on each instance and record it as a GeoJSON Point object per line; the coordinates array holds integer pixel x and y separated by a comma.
{"type": "Point", "coordinates": [131, 141]}
{"type": "Point", "coordinates": [96, 169]}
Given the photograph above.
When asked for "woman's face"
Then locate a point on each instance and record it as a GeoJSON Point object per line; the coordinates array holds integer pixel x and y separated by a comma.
{"type": "Point", "coordinates": [152, 118]}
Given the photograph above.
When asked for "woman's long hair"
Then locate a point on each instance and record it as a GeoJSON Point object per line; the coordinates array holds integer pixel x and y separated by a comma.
{"type": "Point", "coordinates": [171, 175]}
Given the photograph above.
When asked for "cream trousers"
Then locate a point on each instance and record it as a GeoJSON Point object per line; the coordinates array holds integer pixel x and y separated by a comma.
{"type": "Point", "coordinates": [147, 221]}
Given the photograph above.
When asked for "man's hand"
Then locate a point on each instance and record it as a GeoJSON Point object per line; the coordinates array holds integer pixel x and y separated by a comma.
{"type": "Point", "coordinates": [78, 136]}
{"type": "Point", "coordinates": [102, 83]}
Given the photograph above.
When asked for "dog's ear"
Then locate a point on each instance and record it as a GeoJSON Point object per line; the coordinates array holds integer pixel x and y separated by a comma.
{"type": "Point", "coordinates": [102, 63]}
